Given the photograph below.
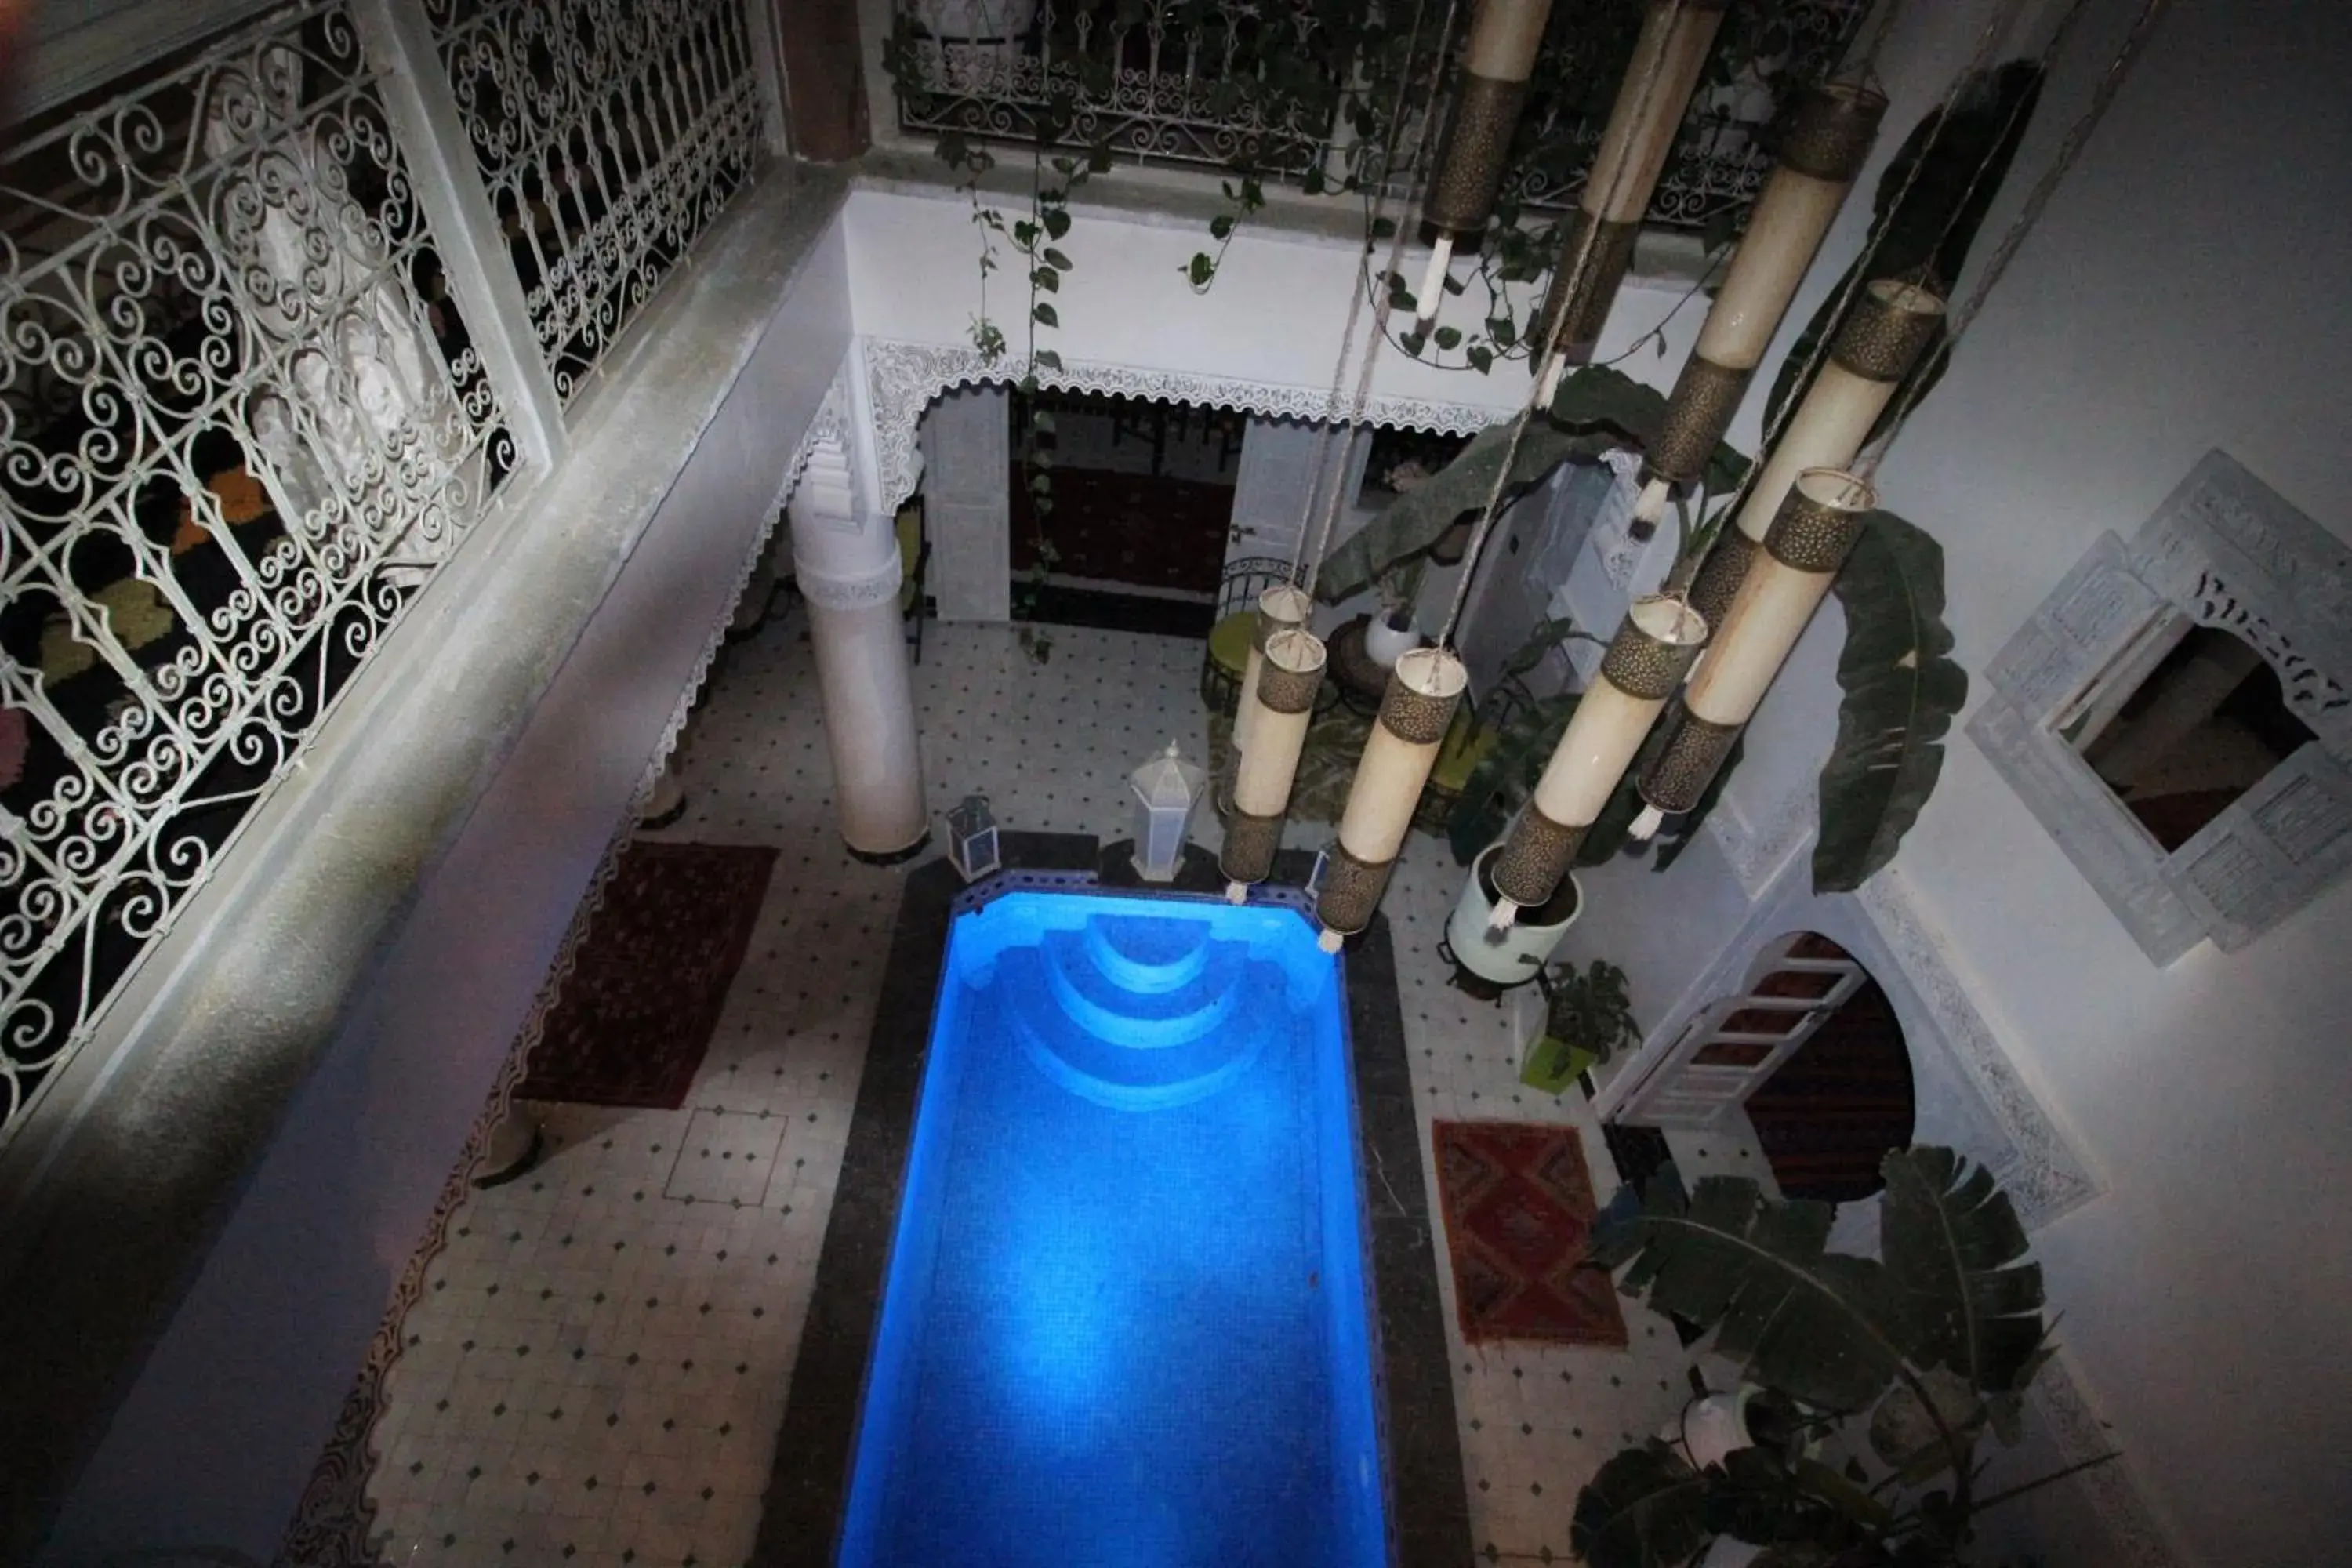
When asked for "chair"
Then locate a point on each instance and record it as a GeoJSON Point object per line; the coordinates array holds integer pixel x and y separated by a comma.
{"type": "Point", "coordinates": [1226, 659]}
{"type": "Point", "coordinates": [914, 567]}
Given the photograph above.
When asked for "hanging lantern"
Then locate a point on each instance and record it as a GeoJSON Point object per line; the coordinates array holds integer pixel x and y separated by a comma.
{"type": "Point", "coordinates": [1292, 672]}
{"type": "Point", "coordinates": [1645, 662]}
{"type": "Point", "coordinates": [1667, 59]}
{"type": "Point", "coordinates": [972, 839]}
{"type": "Point", "coordinates": [1823, 141]}
{"type": "Point", "coordinates": [1423, 690]}
{"type": "Point", "coordinates": [1166, 790]}
{"type": "Point", "coordinates": [1880, 340]}
{"type": "Point", "coordinates": [1487, 102]}
{"type": "Point", "coordinates": [1285, 606]}
{"type": "Point", "coordinates": [1807, 543]}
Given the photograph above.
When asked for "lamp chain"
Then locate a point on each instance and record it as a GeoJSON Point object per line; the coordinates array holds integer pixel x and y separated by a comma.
{"type": "Point", "coordinates": [1340, 436]}
{"type": "Point", "coordinates": [1591, 232]}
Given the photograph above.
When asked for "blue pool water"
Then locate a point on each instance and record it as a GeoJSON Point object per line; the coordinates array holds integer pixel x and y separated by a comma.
{"type": "Point", "coordinates": [1126, 1323]}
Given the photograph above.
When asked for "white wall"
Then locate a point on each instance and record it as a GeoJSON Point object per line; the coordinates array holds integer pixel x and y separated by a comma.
{"type": "Point", "coordinates": [2183, 292]}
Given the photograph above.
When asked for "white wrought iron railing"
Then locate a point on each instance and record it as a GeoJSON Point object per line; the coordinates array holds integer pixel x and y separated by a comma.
{"type": "Point", "coordinates": [252, 399]}
{"type": "Point", "coordinates": [1276, 88]}
{"type": "Point", "coordinates": [610, 134]}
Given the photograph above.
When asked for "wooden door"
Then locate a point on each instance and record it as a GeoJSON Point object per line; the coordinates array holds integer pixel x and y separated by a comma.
{"type": "Point", "coordinates": [1738, 1041]}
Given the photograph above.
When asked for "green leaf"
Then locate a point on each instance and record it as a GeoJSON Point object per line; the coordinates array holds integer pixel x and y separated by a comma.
{"type": "Point", "coordinates": [1045, 278]}
{"type": "Point", "coordinates": [1057, 223]}
{"type": "Point", "coordinates": [1902, 690]}
{"type": "Point", "coordinates": [1055, 260]}
{"type": "Point", "coordinates": [1199, 270]}
{"type": "Point", "coordinates": [1503, 329]}
{"type": "Point", "coordinates": [1025, 233]}
{"type": "Point", "coordinates": [1311, 182]}
{"type": "Point", "coordinates": [1045, 314]}
{"type": "Point", "coordinates": [1046, 359]}
{"type": "Point", "coordinates": [1042, 421]}
{"type": "Point", "coordinates": [1222, 226]}
{"type": "Point", "coordinates": [1822, 1327]}
{"type": "Point", "coordinates": [1906, 1438]}
{"type": "Point", "coordinates": [1647, 1508]}
{"type": "Point", "coordinates": [1449, 338]}
{"type": "Point", "coordinates": [1927, 238]}
{"type": "Point", "coordinates": [1957, 1253]}
{"type": "Point", "coordinates": [1412, 522]}
{"type": "Point", "coordinates": [1482, 360]}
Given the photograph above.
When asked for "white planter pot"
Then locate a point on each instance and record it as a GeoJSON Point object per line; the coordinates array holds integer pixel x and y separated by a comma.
{"type": "Point", "coordinates": [1385, 644]}
{"type": "Point", "coordinates": [1511, 957]}
{"type": "Point", "coordinates": [1730, 1553]}
{"type": "Point", "coordinates": [1712, 1427]}
{"type": "Point", "coordinates": [975, 21]}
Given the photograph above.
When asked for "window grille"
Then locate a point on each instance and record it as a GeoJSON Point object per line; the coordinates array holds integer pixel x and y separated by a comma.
{"type": "Point", "coordinates": [241, 425]}
{"type": "Point", "coordinates": [1259, 84]}
{"type": "Point", "coordinates": [610, 134]}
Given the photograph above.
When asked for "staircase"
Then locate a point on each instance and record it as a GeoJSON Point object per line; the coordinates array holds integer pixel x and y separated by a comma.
{"type": "Point", "coordinates": [1142, 1013]}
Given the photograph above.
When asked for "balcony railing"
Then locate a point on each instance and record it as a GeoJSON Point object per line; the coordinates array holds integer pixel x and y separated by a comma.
{"type": "Point", "coordinates": [1276, 86]}
{"type": "Point", "coordinates": [249, 406]}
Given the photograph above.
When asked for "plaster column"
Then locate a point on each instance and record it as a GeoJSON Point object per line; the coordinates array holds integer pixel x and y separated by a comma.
{"type": "Point", "coordinates": [967, 444]}
{"type": "Point", "coordinates": [846, 557]}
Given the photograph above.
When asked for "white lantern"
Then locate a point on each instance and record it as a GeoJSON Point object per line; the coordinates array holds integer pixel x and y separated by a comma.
{"type": "Point", "coordinates": [972, 839]}
{"type": "Point", "coordinates": [1166, 788]}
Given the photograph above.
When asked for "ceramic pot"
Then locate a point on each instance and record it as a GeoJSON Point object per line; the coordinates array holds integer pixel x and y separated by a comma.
{"type": "Point", "coordinates": [1514, 956]}
{"type": "Point", "coordinates": [1713, 1427]}
{"type": "Point", "coordinates": [1729, 1552]}
{"type": "Point", "coordinates": [1385, 642]}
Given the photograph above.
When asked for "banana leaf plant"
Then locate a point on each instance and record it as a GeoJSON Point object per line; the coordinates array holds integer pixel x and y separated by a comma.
{"type": "Point", "coordinates": [1924, 1349]}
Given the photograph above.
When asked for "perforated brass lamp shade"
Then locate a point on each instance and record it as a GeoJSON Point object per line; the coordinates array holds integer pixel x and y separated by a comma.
{"type": "Point", "coordinates": [1487, 102]}
{"type": "Point", "coordinates": [1292, 670]}
{"type": "Point", "coordinates": [1880, 340]}
{"type": "Point", "coordinates": [1822, 141]}
{"type": "Point", "coordinates": [1792, 573]}
{"type": "Point", "coordinates": [1423, 690]}
{"type": "Point", "coordinates": [1668, 59]}
{"type": "Point", "coordinates": [1646, 661]}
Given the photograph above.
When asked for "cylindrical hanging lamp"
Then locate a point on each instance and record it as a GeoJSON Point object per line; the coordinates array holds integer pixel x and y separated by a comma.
{"type": "Point", "coordinates": [1667, 59]}
{"type": "Point", "coordinates": [1646, 660]}
{"type": "Point", "coordinates": [1285, 606]}
{"type": "Point", "coordinates": [1423, 690]}
{"type": "Point", "coordinates": [1807, 543]}
{"type": "Point", "coordinates": [1290, 671]}
{"type": "Point", "coordinates": [1876, 347]}
{"type": "Point", "coordinates": [1487, 102]}
{"type": "Point", "coordinates": [1824, 140]}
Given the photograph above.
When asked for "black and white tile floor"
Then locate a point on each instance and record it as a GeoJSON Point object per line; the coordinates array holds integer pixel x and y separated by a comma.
{"type": "Point", "coordinates": [600, 1361]}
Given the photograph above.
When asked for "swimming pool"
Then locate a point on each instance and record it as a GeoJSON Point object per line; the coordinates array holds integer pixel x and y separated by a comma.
{"type": "Point", "coordinates": [1126, 1318]}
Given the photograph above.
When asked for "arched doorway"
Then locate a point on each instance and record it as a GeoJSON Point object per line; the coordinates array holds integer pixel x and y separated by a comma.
{"type": "Point", "coordinates": [1811, 1049]}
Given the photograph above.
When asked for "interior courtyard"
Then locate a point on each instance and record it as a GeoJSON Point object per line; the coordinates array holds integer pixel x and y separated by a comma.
{"type": "Point", "coordinates": [681, 682]}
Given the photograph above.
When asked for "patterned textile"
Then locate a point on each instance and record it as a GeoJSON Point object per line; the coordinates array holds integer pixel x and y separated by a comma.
{"type": "Point", "coordinates": [637, 1014]}
{"type": "Point", "coordinates": [1518, 1212]}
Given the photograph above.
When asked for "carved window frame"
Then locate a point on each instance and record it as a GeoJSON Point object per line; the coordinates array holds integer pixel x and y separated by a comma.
{"type": "Point", "coordinates": [2225, 549]}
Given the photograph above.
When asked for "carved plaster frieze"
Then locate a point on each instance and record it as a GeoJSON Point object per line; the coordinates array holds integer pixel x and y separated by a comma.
{"type": "Point", "coordinates": [903, 378]}
{"type": "Point", "coordinates": [2115, 1494]}
{"type": "Point", "coordinates": [2044, 1177]}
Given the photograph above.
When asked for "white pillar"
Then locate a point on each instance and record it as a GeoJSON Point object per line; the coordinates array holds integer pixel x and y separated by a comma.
{"type": "Point", "coordinates": [846, 557]}
{"type": "Point", "coordinates": [967, 444]}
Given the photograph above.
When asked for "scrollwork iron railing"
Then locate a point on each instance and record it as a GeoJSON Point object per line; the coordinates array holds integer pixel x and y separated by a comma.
{"type": "Point", "coordinates": [241, 423]}
{"type": "Point", "coordinates": [1281, 88]}
{"type": "Point", "coordinates": [610, 134]}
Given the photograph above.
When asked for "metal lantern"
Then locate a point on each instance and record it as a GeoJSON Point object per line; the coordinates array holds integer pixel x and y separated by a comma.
{"type": "Point", "coordinates": [1166, 788]}
{"type": "Point", "coordinates": [972, 839]}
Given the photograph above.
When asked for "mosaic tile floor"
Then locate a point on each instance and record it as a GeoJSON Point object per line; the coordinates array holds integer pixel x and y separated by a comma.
{"type": "Point", "coordinates": [597, 1369]}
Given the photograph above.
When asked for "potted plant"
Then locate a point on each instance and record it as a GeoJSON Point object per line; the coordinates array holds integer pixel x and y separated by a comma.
{"type": "Point", "coordinates": [1392, 633]}
{"type": "Point", "coordinates": [1587, 1015]}
{"type": "Point", "coordinates": [1905, 1361]}
{"type": "Point", "coordinates": [1489, 961]}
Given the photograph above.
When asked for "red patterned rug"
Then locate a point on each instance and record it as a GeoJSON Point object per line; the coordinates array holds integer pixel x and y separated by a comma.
{"type": "Point", "coordinates": [1518, 1212]}
{"type": "Point", "coordinates": [637, 1014]}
